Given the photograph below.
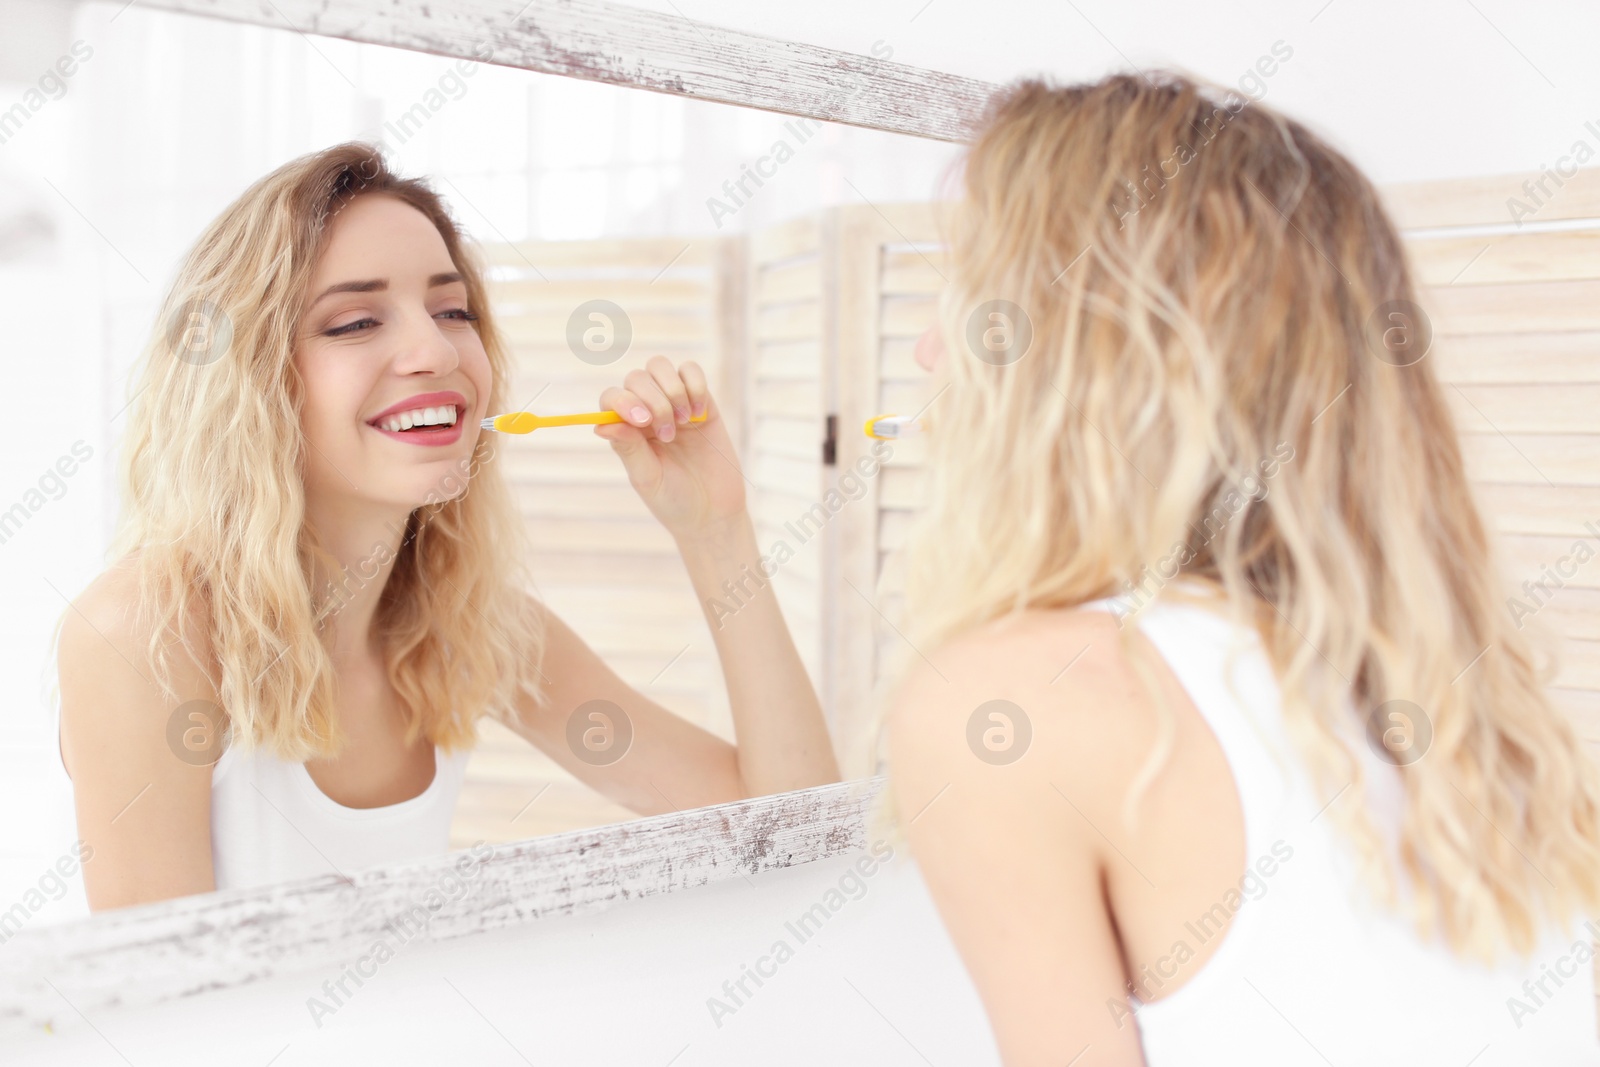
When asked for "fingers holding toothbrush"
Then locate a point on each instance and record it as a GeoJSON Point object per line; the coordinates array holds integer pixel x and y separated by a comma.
{"type": "Point", "coordinates": [686, 472]}
{"type": "Point", "coordinates": [657, 398]}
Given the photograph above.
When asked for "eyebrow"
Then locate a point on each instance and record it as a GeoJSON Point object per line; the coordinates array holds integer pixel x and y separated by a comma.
{"type": "Point", "coordinates": [376, 285]}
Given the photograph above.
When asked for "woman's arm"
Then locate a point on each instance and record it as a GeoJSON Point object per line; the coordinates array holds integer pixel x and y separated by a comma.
{"type": "Point", "coordinates": [688, 475]}
{"type": "Point", "coordinates": [1017, 870]}
{"type": "Point", "coordinates": [143, 805]}
{"type": "Point", "coordinates": [783, 740]}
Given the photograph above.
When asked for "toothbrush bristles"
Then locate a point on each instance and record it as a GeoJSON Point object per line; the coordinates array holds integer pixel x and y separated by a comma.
{"type": "Point", "coordinates": [895, 426]}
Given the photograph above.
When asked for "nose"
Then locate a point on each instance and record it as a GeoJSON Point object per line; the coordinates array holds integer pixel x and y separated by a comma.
{"type": "Point", "coordinates": [930, 346]}
{"type": "Point", "coordinates": [424, 348]}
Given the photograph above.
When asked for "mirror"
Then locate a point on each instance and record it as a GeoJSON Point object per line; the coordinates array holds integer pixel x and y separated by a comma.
{"type": "Point", "coordinates": [794, 261]}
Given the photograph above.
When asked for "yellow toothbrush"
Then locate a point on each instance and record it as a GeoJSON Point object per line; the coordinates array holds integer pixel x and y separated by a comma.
{"type": "Point", "coordinates": [527, 421]}
{"type": "Point", "coordinates": [893, 427]}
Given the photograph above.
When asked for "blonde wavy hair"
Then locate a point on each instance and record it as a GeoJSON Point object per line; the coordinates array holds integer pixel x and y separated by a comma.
{"type": "Point", "coordinates": [1184, 330]}
{"type": "Point", "coordinates": [212, 475]}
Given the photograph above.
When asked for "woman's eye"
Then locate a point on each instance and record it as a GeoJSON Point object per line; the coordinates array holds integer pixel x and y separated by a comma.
{"type": "Point", "coordinates": [463, 315]}
{"type": "Point", "coordinates": [349, 327]}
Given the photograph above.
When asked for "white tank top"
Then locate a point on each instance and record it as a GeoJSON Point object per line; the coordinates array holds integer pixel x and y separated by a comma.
{"type": "Point", "coordinates": [1311, 970]}
{"type": "Point", "coordinates": [270, 822]}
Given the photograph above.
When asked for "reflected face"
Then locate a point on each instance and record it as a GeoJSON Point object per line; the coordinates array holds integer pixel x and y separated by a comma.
{"type": "Point", "coordinates": [930, 349]}
{"type": "Point", "coordinates": [396, 376]}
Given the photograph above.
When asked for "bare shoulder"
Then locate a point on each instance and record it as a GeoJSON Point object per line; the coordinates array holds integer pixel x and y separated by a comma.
{"type": "Point", "coordinates": [1008, 746]}
{"type": "Point", "coordinates": [1064, 683]}
{"type": "Point", "coordinates": [108, 678]}
{"type": "Point", "coordinates": [100, 628]}
{"type": "Point", "coordinates": [106, 605]}
{"type": "Point", "coordinates": [109, 605]}
{"type": "Point", "coordinates": [141, 784]}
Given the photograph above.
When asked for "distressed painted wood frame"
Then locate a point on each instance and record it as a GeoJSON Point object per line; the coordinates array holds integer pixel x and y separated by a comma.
{"type": "Point", "coordinates": [598, 41]}
{"type": "Point", "coordinates": [136, 957]}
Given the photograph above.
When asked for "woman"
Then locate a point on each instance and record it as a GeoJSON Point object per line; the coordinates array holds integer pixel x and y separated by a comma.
{"type": "Point", "coordinates": [1225, 748]}
{"type": "Point", "coordinates": [312, 581]}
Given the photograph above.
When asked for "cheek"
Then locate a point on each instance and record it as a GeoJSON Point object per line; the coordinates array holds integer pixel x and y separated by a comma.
{"type": "Point", "coordinates": [475, 365]}
{"type": "Point", "coordinates": [334, 398]}
{"type": "Point", "coordinates": [929, 348]}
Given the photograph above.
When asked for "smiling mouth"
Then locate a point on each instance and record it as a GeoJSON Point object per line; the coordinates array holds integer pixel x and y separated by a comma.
{"type": "Point", "coordinates": [420, 420]}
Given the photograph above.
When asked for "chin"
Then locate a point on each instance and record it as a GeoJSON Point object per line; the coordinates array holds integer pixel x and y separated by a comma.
{"type": "Point", "coordinates": [438, 490]}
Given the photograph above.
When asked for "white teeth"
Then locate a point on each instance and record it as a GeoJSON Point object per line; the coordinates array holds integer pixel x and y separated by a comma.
{"type": "Point", "coordinates": [439, 416]}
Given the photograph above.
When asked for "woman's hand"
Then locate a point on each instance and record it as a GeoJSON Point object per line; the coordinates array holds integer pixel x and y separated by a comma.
{"type": "Point", "coordinates": [686, 472]}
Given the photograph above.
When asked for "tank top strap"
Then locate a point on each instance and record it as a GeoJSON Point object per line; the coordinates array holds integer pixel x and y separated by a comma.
{"type": "Point", "coordinates": [1223, 668]}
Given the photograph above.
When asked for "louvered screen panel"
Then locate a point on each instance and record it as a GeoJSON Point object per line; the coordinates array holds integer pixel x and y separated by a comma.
{"type": "Point", "coordinates": [1516, 320]}
{"type": "Point", "coordinates": [785, 408]}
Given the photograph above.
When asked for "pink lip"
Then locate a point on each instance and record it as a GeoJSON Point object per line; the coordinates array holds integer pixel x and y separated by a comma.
{"type": "Point", "coordinates": [432, 437]}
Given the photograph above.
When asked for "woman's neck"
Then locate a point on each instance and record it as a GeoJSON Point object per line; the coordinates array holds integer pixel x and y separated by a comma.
{"type": "Point", "coordinates": [366, 541]}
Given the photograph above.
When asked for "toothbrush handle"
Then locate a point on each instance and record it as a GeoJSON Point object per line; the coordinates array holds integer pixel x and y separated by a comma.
{"type": "Point", "coordinates": [596, 417]}
{"type": "Point", "coordinates": [527, 421]}
{"type": "Point", "coordinates": [585, 418]}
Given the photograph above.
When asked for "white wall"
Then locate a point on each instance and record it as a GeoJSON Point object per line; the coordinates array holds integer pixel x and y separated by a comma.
{"type": "Point", "coordinates": [1410, 90]}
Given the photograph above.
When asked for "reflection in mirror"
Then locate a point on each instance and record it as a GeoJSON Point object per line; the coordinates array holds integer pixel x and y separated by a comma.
{"type": "Point", "coordinates": [704, 591]}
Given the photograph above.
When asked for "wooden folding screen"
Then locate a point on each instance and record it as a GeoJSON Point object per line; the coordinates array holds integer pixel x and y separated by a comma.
{"type": "Point", "coordinates": [784, 378]}
{"type": "Point", "coordinates": [1515, 300]}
